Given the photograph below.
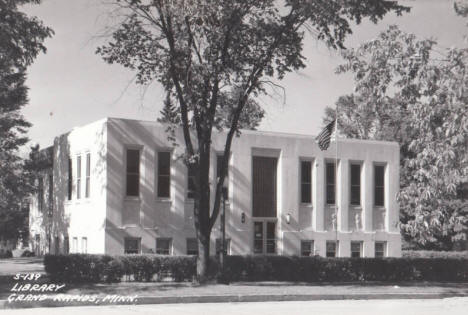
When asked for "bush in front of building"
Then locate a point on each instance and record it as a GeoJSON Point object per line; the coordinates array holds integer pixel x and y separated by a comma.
{"type": "Point", "coordinates": [434, 254]}
{"type": "Point", "coordinates": [87, 268]}
{"type": "Point", "coordinates": [76, 268]}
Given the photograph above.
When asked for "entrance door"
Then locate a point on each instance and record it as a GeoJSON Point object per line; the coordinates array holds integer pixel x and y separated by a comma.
{"type": "Point", "coordinates": [264, 203]}
{"type": "Point", "coordinates": [264, 237]}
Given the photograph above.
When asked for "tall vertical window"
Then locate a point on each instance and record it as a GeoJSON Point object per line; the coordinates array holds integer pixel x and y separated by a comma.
{"type": "Point", "coordinates": [331, 183]}
{"type": "Point", "coordinates": [84, 245]}
{"type": "Point", "coordinates": [190, 183]}
{"type": "Point", "coordinates": [192, 246]}
{"type": "Point", "coordinates": [306, 181]}
{"type": "Point", "coordinates": [133, 172]}
{"type": "Point", "coordinates": [219, 164]}
{"type": "Point", "coordinates": [66, 245]}
{"type": "Point", "coordinates": [355, 184]}
{"type": "Point", "coordinates": [51, 194]}
{"type": "Point", "coordinates": [88, 174]}
{"type": "Point", "coordinates": [380, 249]}
{"type": "Point", "coordinates": [70, 179]}
{"type": "Point", "coordinates": [307, 248]}
{"type": "Point", "coordinates": [75, 245]}
{"type": "Point", "coordinates": [356, 249]}
{"type": "Point", "coordinates": [164, 174]}
{"type": "Point", "coordinates": [78, 177]}
{"type": "Point", "coordinates": [40, 194]}
{"type": "Point", "coordinates": [332, 248]}
{"type": "Point", "coordinates": [379, 185]}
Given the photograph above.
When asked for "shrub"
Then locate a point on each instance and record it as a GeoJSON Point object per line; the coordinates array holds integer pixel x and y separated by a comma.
{"type": "Point", "coordinates": [27, 253]}
{"type": "Point", "coordinates": [433, 254]}
{"type": "Point", "coordinates": [6, 253]}
{"type": "Point", "coordinates": [75, 268]}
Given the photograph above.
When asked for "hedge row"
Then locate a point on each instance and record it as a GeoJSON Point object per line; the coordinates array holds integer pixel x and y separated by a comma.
{"type": "Point", "coordinates": [434, 254]}
{"type": "Point", "coordinates": [104, 268]}
{"type": "Point", "coordinates": [85, 268]}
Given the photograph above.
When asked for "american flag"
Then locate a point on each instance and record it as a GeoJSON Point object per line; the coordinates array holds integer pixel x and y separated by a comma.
{"type": "Point", "coordinates": [323, 138]}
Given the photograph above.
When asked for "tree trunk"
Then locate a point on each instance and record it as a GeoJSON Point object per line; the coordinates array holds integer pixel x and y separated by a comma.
{"type": "Point", "coordinates": [203, 258]}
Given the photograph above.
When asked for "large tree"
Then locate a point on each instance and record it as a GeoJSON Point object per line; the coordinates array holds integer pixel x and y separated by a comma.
{"type": "Point", "coordinates": [416, 93]}
{"type": "Point", "coordinates": [21, 40]}
{"type": "Point", "coordinates": [214, 57]}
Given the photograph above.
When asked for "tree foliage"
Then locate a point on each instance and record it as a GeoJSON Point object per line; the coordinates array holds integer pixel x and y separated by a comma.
{"type": "Point", "coordinates": [21, 40]}
{"type": "Point", "coordinates": [407, 90]}
{"type": "Point", "coordinates": [215, 57]}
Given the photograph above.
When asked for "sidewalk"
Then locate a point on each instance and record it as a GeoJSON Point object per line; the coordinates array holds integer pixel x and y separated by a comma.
{"type": "Point", "coordinates": [168, 292]}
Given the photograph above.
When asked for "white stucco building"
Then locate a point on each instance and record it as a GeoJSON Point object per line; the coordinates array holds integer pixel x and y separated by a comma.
{"type": "Point", "coordinates": [117, 186]}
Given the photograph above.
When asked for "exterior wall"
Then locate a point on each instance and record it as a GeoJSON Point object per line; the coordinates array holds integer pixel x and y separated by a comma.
{"type": "Point", "coordinates": [80, 218]}
{"type": "Point", "coordinates": [109, 216]}
{"type": "Point", "coordinates": [148, 217]}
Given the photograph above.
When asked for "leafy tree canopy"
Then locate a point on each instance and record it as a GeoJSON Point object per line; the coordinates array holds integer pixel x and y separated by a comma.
{"type": "Point", "coordinates": [214, 57]}
{"type": "Point", "coordinates": [416, 93]}
{"type": "Point", "coordinates": [21, 40]}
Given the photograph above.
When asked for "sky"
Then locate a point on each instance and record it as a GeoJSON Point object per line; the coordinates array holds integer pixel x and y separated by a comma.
{"type": "Point", "coordinates": [71, 86]}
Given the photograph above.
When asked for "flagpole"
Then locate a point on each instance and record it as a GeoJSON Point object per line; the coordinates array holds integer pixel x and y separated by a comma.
{"type": "Point", "coordinates": [336, 178]}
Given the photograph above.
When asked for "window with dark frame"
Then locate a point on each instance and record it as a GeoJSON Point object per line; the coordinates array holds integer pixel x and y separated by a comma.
{"type": "Point", "coordinates": [40, 194]}
{"type": "Point", "coordinates": [330, 183]}
{"type": "Point", "coordinates": [219, 247]}
{"type": "Point", "coordinates": [70, 179]}
{"type": "Point", "coordinates": [190, 183]}
{"type": "Point", "coordinates": [306, 182]}
{"type": "Point", "coordinates": [88, 175]}
{"type": "Point", "coordinates": [78, 177]}
{"type": "Point", "coordinates": [51, 195]}
{"type": "Point", "coordinates": [356, 249]}
{"type": "Point", "coordinates": [132, 245]}
{"type": "Point", "coordinates": [164, 174]}
{"type": "Point", "coordinates": [192, 246]}
{"type": "Point", "coordinates": [219, 163]}
{"type": "Point", "coordinates": [355, 184]}
{"type": "Point", "coordinates": [379, 185]}
{"type": "Point", "coordinates": [66, 245]}
{"type": "Point", "coordinates": [307, 248]}
{"type": "Point", "coordinates": [133, 172]}
{"type": "Point", "coordinates": [163, 246]}
{"type": "Point", "coordinates": [332, 248]}
{"type": "Point", "coordinates": [380, 249]}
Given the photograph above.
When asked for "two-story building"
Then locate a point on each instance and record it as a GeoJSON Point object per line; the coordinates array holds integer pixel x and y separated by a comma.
{"type": "Point", "coordinates": [118, 186]}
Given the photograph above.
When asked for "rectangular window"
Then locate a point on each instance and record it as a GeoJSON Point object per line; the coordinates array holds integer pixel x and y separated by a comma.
{"type": "Point", "coordinates": [192, 246]}
{"type": "Point", "coordinates": [133, 172]}
{"type": "Point", "coordinates": [163, 246]}
{"type": "Point", "coordinates": [332, 248]}
{"type": "Point", "coordinates": [379, 185]}
{"type": "Point", "coordinates": [264, 186]}
{"type": "Point", "coordinates": [51, 191]}
{"type": "Point", "coordinates": [190, 183]}
{"type": "Point", "coordinates": [84, 245]}
{"type": "Point", "coordinates": [40, 194]}
{"type": "Point", "coordinates": [70, 179]}
{"type": "Point", "coordinates": [66, 245]}
{"type": "Point", "coordinates": [57, 245]}
{"type": "Point", "coordinates": [164, 174]}
{"type": "Point", "coordinates": [355, 184]}
{"type": "Point", "coordinates": [380, 249]}
{"type": "Point", "coordinates": [78, 177]}
{"type": "Point", "coordinates": [306, 181]}
{"type": "Point", "coordinates": [75, 245]}
{"type": "Point", "coordinates": [219, 247]}
{"type": "Point", "coordinates": [356, 249]}
{"type": "Point", "coordinates": [307, 248]}
{"type": "Point", "coordinates": [331, 182]}
{"type": "Point", "coordinates": [219, 163]}
{"type": "Point", "coordinates": [131, 245]}
{"type": "Point", "coordinates": [88, 174]}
